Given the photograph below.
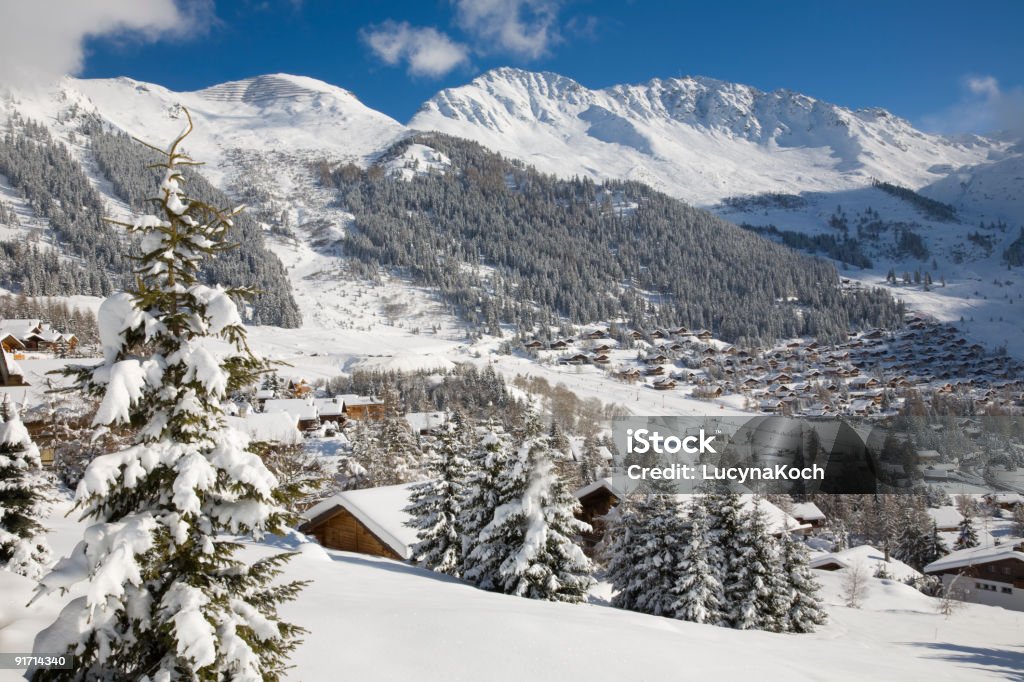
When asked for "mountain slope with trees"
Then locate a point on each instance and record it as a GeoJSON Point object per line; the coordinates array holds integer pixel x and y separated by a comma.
{"type": "Point", "coordinates": [539, 249]}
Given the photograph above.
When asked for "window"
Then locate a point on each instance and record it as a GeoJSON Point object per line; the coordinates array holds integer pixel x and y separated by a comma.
{"type": "Point", "coordinates": [1007, 590]}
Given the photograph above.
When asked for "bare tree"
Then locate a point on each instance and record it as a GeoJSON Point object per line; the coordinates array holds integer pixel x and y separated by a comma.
{"type": "Point", "coordinates": [855, 585]}
{"type": "Point", "coordinates": [951, 599]}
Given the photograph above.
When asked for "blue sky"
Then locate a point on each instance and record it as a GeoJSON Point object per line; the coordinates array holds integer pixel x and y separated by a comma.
{"type": "Point", "coordinates": [944, 65]}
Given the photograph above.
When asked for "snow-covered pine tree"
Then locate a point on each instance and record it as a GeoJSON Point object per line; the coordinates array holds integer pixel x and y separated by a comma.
{"type": "Point", "coordinates": [400, 457]}
{"type": "Point", "coordinates": [528, 547]}
{"type": "Point", "coordinates": [24, 498]}
{"type": "Point", "coordinates": [748, 559]}
{"type": "Point", "coordinates": [912, 537]}
{"type": "Point", "coordinates": [804, 610]}
{"type": "Point", "coordinates": [623, 552]}
{"type": "Point", "coordinates": [752, 585]}
{"type": "Point", "coordinates": [698, 591]}
{"type": "Point", "coordinates": [591, 464]}
{"type": "Point", "coordinates": [659, 538]}
{"type": "Point", "coordinates": [167, 598]}
{"type": "Point", "coordinates": [435, 505]}
{"type": "Point", "coordinates": [487, 460]}
{"type": "Point", "coordinates": [966, 535]}
{"type": "Point", "coordinates": [934, 547]}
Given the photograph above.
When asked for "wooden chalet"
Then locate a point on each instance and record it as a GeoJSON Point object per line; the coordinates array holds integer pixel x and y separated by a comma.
{"type": "Point", "coordinates": [596, 500]}
{"type": "Point", "coordinates": [10, 373]}
{"type": "Point", "coordinates": [985, 575]}
{"type": "Point", "coordinates": [362, 407]}
{"type": "Point", "coordinates": [577, 359]}
{"type": "Point", "coordinates": [367, 521]}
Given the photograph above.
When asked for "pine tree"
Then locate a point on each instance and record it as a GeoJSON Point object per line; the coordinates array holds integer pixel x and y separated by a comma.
{"type": "Point", "coordinates": [591, 463]}
{"type": "Point", "coordinates": [527, 548]}
{"type": "Point", "coordinates": [698, 587]}
{"type": "Point", "coordinates": [751, 585]}
{"type": "Point", "coordinates": [1018, 519]}
{"type": "Point", "coordinates": [623, 552]}
{"type": "Point", "coordinates": [23, 498]}
{"type": "Point", "coordinates": [934, 547]}
{"type": "Point", "coordinates": [967, 537]}
{"type": "Point", "coordinates": [803, 606]}
{"type": "Point", "coordinates": [400, 457]}
{"type": "Point", "coordinates": [488, 459]}
{"type": "Point", "coordinates": [436, 504]}
{"type": "Point", "coordinates": [167, 598]}
{"type": "Point", "coordinates": [750, 565]}
{"type": "Point", "coordinates": [645, 566]}
{"type": "Point", "coordinates": [914, 544]}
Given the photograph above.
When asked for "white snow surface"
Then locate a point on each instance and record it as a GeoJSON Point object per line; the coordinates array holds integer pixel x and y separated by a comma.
{"type": "Point", "coordinates": [402, 622]}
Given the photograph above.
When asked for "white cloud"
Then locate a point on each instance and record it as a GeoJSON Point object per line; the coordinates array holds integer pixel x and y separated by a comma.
{"type": "Point", "coordinates": [987, 86]}
{"type": "Point", "coordinates": [426, 51]}
{"type": "Point", "coordinates": [985, 107]}
{"type": "Point", "coordinates": [526, 28]}
{"type": "Point", "coordinates": [42, 40]}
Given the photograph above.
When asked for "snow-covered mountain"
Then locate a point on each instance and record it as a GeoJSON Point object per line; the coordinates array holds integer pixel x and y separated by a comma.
{"type": "Point", "coordinates": [699, 139]}
{"type": "Point", "coordinates": [696, 138]}
{"type": "Point", "coordinates": [277, 113]}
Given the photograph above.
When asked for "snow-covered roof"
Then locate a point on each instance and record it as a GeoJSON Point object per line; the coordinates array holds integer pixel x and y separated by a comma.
{"type": "Point", "coordinates": [972, 556]}
{"type": "Point", "coordinates": [946, 517]}
{"type": "Point", "coordinates": [274, 427]}
{"type": "Point", "coordinates": [867, 555]}
{"type": "Point", "coordinates": [807, 511]}
{"type": "Point", "coordinates": [605, 483]}
{"type": "Point", "coordinates": [18, 328]}
{"type": "Point", "coordinates": [381, 510]}
{"type": "Point", "coordinates": [329, 407]}
{"type": "Point", "coordinates": [425, 421]}
{"type": "Point", "coordinates": [1006, 498]}
{"type": "Point", "coordinates": [355, 399]}
{"type": "Point", "coordinates": [300, 408]}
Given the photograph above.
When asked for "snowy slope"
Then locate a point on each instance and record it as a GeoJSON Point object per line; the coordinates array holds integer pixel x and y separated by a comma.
{"type": "Point", "coordinates": [375, 619]}
{"type": "Point", "coordinates": [696, 138]}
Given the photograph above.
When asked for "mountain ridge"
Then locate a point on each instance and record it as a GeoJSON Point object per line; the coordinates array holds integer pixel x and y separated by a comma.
{"type": "Point", "coordinates": [697, 138]}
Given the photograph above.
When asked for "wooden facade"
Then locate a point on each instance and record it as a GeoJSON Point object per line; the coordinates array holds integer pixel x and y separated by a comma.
{"type": "Point", "coordinates": [1009, 571]}
{"type": "Point", "coordinates": [337, 528]}
{"type": "Point", "coordinates": [364, 410]}
{"type": "Point", "coordinates": [593, 506]}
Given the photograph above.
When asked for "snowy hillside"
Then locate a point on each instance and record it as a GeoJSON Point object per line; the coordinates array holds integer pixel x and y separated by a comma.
{"type": "Point", "coordinates": [699, 139]}
{"type": "Point", "coordinates": [404, 621]}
